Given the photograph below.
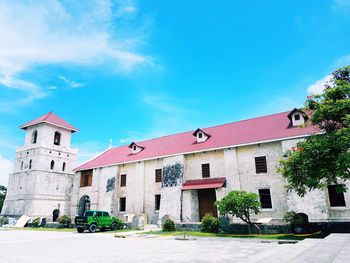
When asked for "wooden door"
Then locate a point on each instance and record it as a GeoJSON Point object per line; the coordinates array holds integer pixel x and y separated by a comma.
{"type": "Point", "coordinates": [206, 202]}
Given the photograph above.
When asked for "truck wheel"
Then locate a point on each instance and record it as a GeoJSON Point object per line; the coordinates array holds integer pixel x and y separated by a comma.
{"type": "Point", "coordinates": [92, 228]}
{"type": "Point", "coordinates": [80, 230]}
{"type": "Point", "coordinates": [114, 226]}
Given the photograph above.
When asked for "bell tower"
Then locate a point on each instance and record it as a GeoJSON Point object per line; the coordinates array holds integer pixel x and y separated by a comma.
{"type": "Point", "coordinates": [41, 182]}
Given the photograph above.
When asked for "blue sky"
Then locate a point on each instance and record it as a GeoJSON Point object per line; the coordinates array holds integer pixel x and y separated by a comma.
{"type": "Point", "coordinates": [133, 70]}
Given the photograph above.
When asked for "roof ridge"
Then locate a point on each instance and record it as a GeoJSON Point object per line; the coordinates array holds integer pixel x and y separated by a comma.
{"type": "Point", "coordinates": [47, 115]}
{"type": "Point", "coordinates": [228, 123]}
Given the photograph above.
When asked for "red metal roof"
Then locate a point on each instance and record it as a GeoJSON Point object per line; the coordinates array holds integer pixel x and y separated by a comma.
{"type": "Point", "coordinates": [204, 183]}
{"type": "Point", "coordinates": [266, 128]}
{"type": "Point", "coordinates": [50, 118]}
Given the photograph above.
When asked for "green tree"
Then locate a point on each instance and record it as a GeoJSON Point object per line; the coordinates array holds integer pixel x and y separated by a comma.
{"type": "Point", "coordinates": [3, 191]}
{"type": "Point", "coordinates": [240, 204]}
{"type": "Point", "coordinates": [324, 158]}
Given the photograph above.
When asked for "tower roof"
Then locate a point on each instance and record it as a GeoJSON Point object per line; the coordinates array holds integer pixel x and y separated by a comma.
{"type": "Point", "coordinates": [52, 119]}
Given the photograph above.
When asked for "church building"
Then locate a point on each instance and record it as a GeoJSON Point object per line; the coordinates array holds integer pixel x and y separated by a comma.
{"type": "Point", "coordinates": [179, 176]}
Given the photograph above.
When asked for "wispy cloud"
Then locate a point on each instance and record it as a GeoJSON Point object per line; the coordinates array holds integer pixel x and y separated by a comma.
{"type": "Point", "coordinates": [89, 149]}
{"type": "Point", "coordinates": [342, 5]}
{"type": "Point", "coordinates": [342, 61]}
{"type": "Point", "coordinates": [319, 85]}
{"type": "Point", "coordinates": [71, 84]}
{"type": "Point", "coordinates": [35, 33]}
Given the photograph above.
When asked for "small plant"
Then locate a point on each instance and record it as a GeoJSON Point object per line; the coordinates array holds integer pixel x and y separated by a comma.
{"type": "Point", "coordinates": [64, 221]}
{"type": "Point", "coordinates": [36, 222]}
{"type": "Point", "coordinates": [294, 219]}
{"type": "Point", "coordinates": [210, 224]}
{"type": "Point", "coordinates": [169, 226]}
{"type": "Point", "coordinates": [3, 220]}
{"type": "Point", "coordinates": [119, 224]}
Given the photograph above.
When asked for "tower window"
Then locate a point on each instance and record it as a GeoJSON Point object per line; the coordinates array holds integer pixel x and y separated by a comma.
{"type": "Point", "coordinates": [57, 139]}
{"type": "Point", "coordinates": [297, 117]}
{"type": "Point", "coordinates": [63, 167]}
{"type": "Point", "coordinates": [34, 137]}
{"type": "Point", "coordinates": [30, 164]}
{"type": "Point", "coordinates": [52, 165]}
{"type": "Point", "coordinates": [21, 165]}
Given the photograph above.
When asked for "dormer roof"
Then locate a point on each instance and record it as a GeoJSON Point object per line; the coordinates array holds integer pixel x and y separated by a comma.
{"type": "Point", "coordinates": [295, 110]}
{"type": "Point", "coordinates": [200, 130]}
{"type": "Point", "coordinates": [50, 118]}
{"type": "Point", "coordinates": [138, 149]}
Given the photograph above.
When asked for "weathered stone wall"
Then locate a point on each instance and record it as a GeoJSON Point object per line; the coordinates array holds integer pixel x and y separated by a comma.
{"type": "Point", "coordinates": [38, 190]}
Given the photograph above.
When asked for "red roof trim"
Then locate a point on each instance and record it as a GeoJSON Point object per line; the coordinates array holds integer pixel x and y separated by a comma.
{"type": "Point", "coordinates": [52, 119]}
{"type": "Point", "coordinates": [204, 183]}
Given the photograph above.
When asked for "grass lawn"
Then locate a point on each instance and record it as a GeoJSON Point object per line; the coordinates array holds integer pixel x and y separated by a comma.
{"type": "Point", "coordinates": [271, 236]}
{"type": "Point", "coordinates": [62, 229]}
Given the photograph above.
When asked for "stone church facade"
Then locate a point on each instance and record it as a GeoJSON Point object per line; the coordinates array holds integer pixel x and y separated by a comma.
{"type": "Point", "coordinates": [182, 175]}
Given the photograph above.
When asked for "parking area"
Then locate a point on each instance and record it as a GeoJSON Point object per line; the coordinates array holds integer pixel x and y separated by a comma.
{"type": "Point", "coordinates": [41, 246]}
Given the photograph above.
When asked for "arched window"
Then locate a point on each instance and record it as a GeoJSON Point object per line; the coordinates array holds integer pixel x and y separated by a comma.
{"type": "Point", "coordinates": [30, 164]}
{"type": "Point", "coordinates": [52, 165]}
{"type": "Point", "coordinates": [63, 167]}
{"type": "Point", "coordinates": [21, 165]}
{"type": "Point", "coordinates": [57, 138]}
{"type": "Point", "coordinates": [34, 137]}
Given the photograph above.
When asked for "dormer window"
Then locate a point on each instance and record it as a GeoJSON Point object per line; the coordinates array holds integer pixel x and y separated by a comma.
{"type": "Point", "coordinates": [297, 117]}
{"type": "Point", "coordinates": [201, 135]}
{"type": "Point", "coordinates": [135, 148]}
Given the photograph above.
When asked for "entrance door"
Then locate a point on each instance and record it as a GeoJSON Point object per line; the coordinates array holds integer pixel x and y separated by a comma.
{"type": "Point", "coordinates": [206, 200]}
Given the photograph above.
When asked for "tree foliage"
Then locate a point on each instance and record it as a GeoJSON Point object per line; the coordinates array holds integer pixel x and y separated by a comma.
{"type": "Point", "coordinates": [324, 158]}
{"type": "Point", "coordinates": [240, 204]}
{"type": "Point", "coordinates": [3, 191]}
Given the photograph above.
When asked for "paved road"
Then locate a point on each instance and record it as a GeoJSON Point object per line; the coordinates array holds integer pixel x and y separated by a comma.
{"type": "Point", "coordinates": [35, 246]}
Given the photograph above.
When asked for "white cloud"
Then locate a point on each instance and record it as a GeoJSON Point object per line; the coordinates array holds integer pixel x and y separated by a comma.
{"type": "Point", "coordinates": [35, 33]}
{"type": "Point", "coordinates": [71, 84]}
{"type": "Point", "coordinates": [89, 149]}
{"type": "Point", "coordinates": [6, 167]}
{"type": "Point", "coordinates": [342, 5]}
{"type": "Point", "coordinates": [319, 85]}
{"type": "Point", "coordinates": [342, 61]}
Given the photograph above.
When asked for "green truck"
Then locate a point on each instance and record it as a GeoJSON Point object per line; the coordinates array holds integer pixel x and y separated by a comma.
{"type": "Point", "coordinates": [94, 219]}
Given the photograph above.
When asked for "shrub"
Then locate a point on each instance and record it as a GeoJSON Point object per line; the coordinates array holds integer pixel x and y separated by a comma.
{"type": "Point", "coordinates": [169, 226]}
{"type": "Point", "coordinates": [3, 220]}
{"type": "Point", "coordinates": [120, 223]}
{"type": "Point", "coordinates": [64, 221]}
{"type": "Point", "coordinates": [240, 204]}
{"type": "Point", "coordinates": [210, 224]}
{"type": "Point", "coordinates": [36, 222]}
{"type": "Point", "coordinates": [294, 219]}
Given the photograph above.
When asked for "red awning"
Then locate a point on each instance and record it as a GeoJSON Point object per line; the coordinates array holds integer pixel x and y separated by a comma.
{"type": "Point", "coordinates": [204, 183]}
